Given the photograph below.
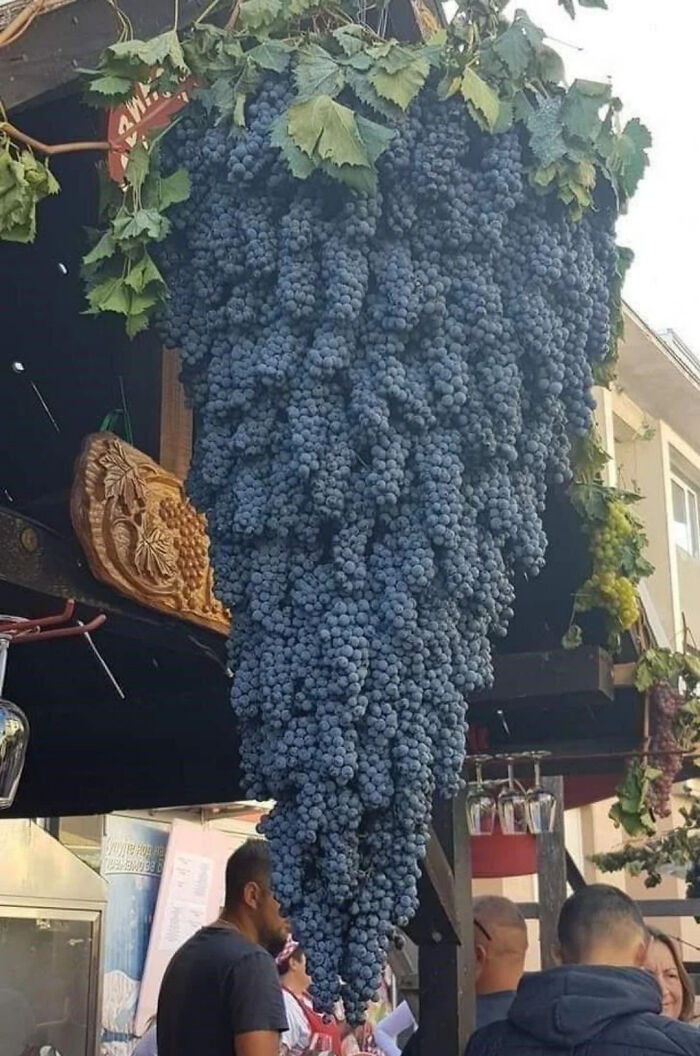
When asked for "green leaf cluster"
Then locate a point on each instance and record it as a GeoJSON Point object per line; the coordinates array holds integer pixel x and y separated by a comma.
{"type": "Point", "coordinates": [120, 273]}
{"type": "Point", "coordinates": [679, 847]}
{"type": "Point", "coordinates": [24, 181]}
{"type": "Point", "coordinates": [352, 89]}
{"type": "Point", "coordinates": [631, 811]}
{"type": "Point", "coordinates": [131, 62]}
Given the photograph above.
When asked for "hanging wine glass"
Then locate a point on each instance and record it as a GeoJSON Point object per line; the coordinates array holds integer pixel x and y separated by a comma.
{"type": "Point", "coordinates": [481, 804]}
{"type": "Point", "coordinates": [14, 735]}
{"type": "Point", "coordinates": [541, 804]}
{"type": "Point", "coordinates": [512, 805]}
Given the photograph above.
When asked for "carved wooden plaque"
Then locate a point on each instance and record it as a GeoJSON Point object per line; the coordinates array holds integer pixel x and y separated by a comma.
{"type": "Point", "coordinates": [140, 533]}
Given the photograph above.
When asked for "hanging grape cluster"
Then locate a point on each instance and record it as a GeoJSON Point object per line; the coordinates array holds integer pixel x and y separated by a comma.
{"type": "Point", "coordinates": [666, 755]}
{"type": "Point", "coordinates": [384, 387]}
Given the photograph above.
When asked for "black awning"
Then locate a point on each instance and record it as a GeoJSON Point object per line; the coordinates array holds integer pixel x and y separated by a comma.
{"type": "Point", "coordinates": [172, 740]}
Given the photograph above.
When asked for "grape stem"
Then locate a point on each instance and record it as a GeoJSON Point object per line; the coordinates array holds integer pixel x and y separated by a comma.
{"type": "Point", "coordinates": [20, 23]}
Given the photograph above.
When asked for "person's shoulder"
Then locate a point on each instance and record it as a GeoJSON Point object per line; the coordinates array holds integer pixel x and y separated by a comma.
{"type": "Point", "coordinates": [496, 1038]}
{"type": "Point", "coordinates": [649, 1033]}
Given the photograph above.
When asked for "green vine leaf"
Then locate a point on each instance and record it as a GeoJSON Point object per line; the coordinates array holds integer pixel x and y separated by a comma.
{"type": "Point", "coordinates": [483, 103]}
{"type": "Point", "coordinates": [628, 158]}
{"type": "Point", "coordinates": [350, 38]}
{"type": "Point", "coordinates": [326, 129]}
{"type": "Point", "coordinates": [105, 248]}
{"type": "Point", "coordinates": [271, 55]}
{"type": "Point", "coordinates": [367, 95]}
{"type": "Point", "coordinates": [110, 90]}
{"type": "Point", "coordinates": [317, 73]}
{"type": "Point", "coordinates": [257, 15]}
{"type": "Point", "coordinates": [582, 106]}
{"type": "Point", "coordinates": [402, 85]}
{"type": "Point", "coordinates": [375, 137]}
{"type": "Point", "coordinates": [300, 163]}
{"type": "Point", "coordinates": [173, 189]}
{"type": "Point", "coordinates": [517, 46]}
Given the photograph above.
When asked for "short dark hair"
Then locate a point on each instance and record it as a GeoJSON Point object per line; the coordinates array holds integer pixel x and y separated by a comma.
{"type": "Point", "coordinates": [590, 916]}
{"type": "Point", "coordinates": [250, 862]}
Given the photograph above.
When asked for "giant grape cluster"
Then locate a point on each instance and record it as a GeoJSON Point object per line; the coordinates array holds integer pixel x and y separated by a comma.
{"type": "Point", "coordinates": [384, 387]}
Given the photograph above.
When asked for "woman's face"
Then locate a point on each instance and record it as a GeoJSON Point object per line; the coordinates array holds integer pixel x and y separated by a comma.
{"type": "Point", "coordinates": [299, 970]}
{"type": "Point", "coordinates": [662, 965]}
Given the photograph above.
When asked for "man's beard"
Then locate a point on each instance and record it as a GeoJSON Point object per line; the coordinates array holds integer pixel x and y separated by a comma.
{"type": "Point", "coordinates": [274, 944]}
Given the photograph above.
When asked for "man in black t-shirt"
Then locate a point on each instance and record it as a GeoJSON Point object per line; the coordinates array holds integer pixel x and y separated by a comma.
{"type": "Point", "coordinates": [221, 994]}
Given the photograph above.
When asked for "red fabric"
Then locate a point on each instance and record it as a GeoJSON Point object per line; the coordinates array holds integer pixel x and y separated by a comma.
{"type": "Point", "coordinates": [320, 1024]}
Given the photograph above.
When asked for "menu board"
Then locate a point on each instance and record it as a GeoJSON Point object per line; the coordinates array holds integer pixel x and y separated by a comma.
{"type": "Point", "coordinates": [191, 895]}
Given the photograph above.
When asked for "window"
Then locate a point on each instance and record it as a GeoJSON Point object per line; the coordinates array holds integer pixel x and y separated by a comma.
{"type": "Point", "coordinates": [685, 516]}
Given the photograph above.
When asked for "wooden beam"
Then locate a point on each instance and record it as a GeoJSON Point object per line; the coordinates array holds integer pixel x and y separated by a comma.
{"type": "Point", "coordinates": [574, 877]}
{"type": "Point", "coordinates": [446, 968]}
{"type": "Point", "coordinates": [34, 558]}
{"type": "Point", "coordinates": [520, 677]}
{"type": "Point", "coordinates": [47, 57]}
{"type": "Point", "coordinates": [551, 871]}
{"type": "Point", "coordinates": [436, 892]}
{"type": "Point", "coordinates": [175, 418]}
{"type": "Point", "coordinates": [624, 674]}
{"type": "Point", "coordinates": [650, 907]}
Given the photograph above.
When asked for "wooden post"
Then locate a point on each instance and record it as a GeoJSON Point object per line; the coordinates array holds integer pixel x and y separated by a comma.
{"type": "Point", "coordinates": [175, 418]}
{"type": "Point", "coordinates": [551, 871]}
{"type": "Point", "coordinates": [446, 953]}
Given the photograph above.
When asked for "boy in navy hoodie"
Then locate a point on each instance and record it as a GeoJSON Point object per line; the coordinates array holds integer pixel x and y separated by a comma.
{"type": "Point", "coordinates": [600, 1002]}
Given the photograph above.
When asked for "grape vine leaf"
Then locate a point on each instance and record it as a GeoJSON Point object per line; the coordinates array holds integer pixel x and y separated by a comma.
{"type": "Point", "coordinates": [301, 164]}
{"type": "Point", "coordinates": [482, 101]}
{"type": "Point", "coordinates": [550, 66]}
{"type": "Point", "coordinates": [361, 179]}
{"type": "Point", "coordinates": [518, 44]}
{"type": "Point", "coordinates": [105, 248]}
{"type": "Point", "coordinates": [367, 95]}
{"type": "Point", "coordinates": [174, 189]}
{"type": "Point", "coordinates": [375, 137]}
{"type": "Point", "coordinates": [350, 38]}
{"type": "Point", "coordinates": [581, 109]}
{"type": "Point", "coordinates": [147, 222]}
{"type": "Point", "coordinates": [568, 6]}
{"type": "Point", "coordinates": [137, 166]}
{"type": "Point", "coordinates": [317, 73]}
{"type": "Point", "coordinates": [603, 4]}
{"type": "Point", "coordinates": [259, 14]}
{"type": "Point", "coordinates": [136, 59]}
{"type": "Point", "coordinates": [628, 158]}
{"type": "Point", "coordinates": [109, 89]}
{"type": "Point", "coordinates": [400, 85]}
{"type": "Point", "coordinates": [143, 274]}
{"type": "Point", "coordinates": [271, 55]}
{"type": "Point", "coordinates": [544, 125]}
{"type": "Point", "coordinates": [327, 129]}
{"type": "Point", "coordinates": [110, 295]}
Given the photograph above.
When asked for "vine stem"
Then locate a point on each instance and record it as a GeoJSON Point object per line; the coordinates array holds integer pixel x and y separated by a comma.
{"type": "Point", "coordinates": [647, 710]}
{"type": "Point", "coordinates": [233, 17]}
{"type": "Point", "coordinates": [20, 23]}
{"type": "Point", "coordinates": [51, 148]}
{"type": "Point", "coordinates": [207, 11]}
